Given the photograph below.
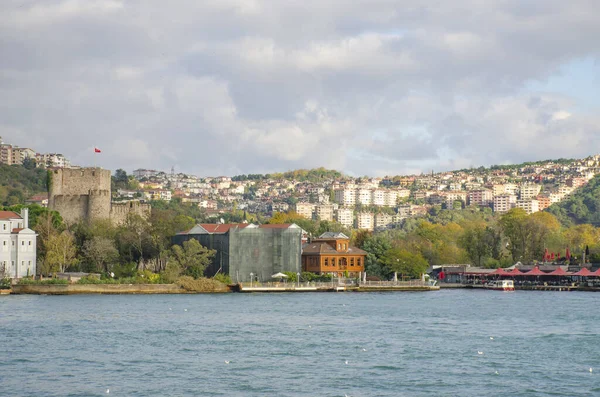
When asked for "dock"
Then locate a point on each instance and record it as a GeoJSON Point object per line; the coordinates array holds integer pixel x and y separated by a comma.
{"type": "Point", "coordinates": [558, 288]}
{"type": "Point", "coordinates": [369, 286]}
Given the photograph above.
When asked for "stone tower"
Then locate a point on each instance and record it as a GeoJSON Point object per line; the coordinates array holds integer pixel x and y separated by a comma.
{"type": "Point", "coordinates": [80, 193]}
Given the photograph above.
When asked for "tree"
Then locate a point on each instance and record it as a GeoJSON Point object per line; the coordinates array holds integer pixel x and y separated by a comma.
{"type": "Point", "coordinates": [477, 243]}
{"type": "Point", "coordinates": [61, 252]}
{"type": "Point", "coordinates": [190, 259]}
{"type": "Point", "coordinates": [100, 252]}
{"type": "Point", "coordinates": [404, 262]}
{"type": "Point", "coordinates": [376, 248]}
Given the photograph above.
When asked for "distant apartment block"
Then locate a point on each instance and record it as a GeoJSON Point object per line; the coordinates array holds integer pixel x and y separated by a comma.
{"type": "Point", "coordinates": [576, 182]}
{"type": "Point", "coordinates": [345, 197]}
{"type": "Point", "coordinates": [363, 196]}
{"type": "Point", "coordinates": [384, 221]}
{"type": "Point", "coordinates": [365, 220]}
{"type": "Point", "coordinates": [324, 212]}
{"type": "Point", "coordinates": [504, 202]}
{"type": "Point", "coordinates": [305, 209]}
{"type": "Point", "coordinates": [345, 216]}
{"type": "Point", "coordinates": [528, 191]}
{"type": "Point", "coordinates": [530, 205]}
{"type": "Point", "coordinates": [480, 197]}
{"type": "Point", "coordinates": [543, 202]}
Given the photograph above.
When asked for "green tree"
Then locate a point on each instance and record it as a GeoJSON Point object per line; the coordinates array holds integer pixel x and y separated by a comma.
{"type": "Point", "coordinates": [404, 262]}
{"type": "Point", "coordinates": [191, 259]}
{"type": "Point", "coordinates": [61, 252]}
{"type": "Point", "coordinates": [100, 252]}
{"type": "Point", "coordinates": [376, 247]}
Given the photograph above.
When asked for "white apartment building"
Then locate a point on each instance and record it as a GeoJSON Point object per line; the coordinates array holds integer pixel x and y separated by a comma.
{"type": "Point", "coordinates": [345, 216]}
{"type": "Point", "coordinates": [528, 191]}
{"type": "Point", "coordinates": [305, 209]}
{"type": "Point", "coordinates": [363, 196]}
{"type": "Point", "coordinates": [504, 202]}
{"type": "Point", "coordinates": [481, 197]}
{"type": "Point", "coordinates": [324, 212]}
{"type": "Point", "coordinates": [365, 220]}
{"type": "Point", "coordinates": [403, 193]}
{"type": "Point", "coordinates": [451, 197]}
{"type": "Point", "coordinates": [17, 245]}
{"type": "Point", "coordinates": [390, 198]}
{"type": "Point", "coordinates": [378, 197]}
{"type": "Point", "coordinates": [345, 196]}
{"type": "Point", "coordinates": [530, 206]}
{"type": "Point", "coordinates": [383, 221]}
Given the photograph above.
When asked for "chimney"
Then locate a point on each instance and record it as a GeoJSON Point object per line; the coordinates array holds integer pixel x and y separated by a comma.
{"type": "Point", "coordinates": [25, 216]}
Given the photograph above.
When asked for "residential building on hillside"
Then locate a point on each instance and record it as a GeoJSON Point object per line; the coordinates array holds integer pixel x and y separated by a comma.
{"type": "Point", "coordinates": [482, 197]}
{"type": "Point", "coordinates": [530, 206]}
{"type": "Point", "coordinates": [345, 216]}
{"type": "Point", "coordinates": [305, 209]}
{"type": "Point", "coordinates": [543, 202]}
{"type": "Point", "coordinates": [331, 253]}
{"type": "Point", "coordinates": [363, 196]}
{"type": "Point", "coordinates": [324, 212]}
{"type": "Point", "coordinates": [17, 245]}
{"type": "Point", "coordinates": [365, 220]}
{"type": "Point", "coordinates": [504, 202]}
{"type": "Point", "coordinates": [528, 191]}
{"type": "Point", "coordinates": [345, 196]}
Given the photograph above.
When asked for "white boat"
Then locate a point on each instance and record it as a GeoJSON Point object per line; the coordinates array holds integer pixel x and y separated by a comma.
{"type": "Point", "coordinates": [501, 285]}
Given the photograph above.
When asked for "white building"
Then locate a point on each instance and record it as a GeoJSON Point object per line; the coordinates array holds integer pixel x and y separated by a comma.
{"type": "Point", "coordinates": [345, 196]}
{"type": "Point", "coordinates": [528, 191]}
{"type": "Point", "coordinates": [324, 212]}
{"type": "Point", "coordinates": [530, 206]}
{"type": "Point", "coordinates": [305, 209]}
{"type": "Point", "coordinates": [365, 220]}
{"type": "Point", "coordinates": [17, 245]}
{"type": "Point", "coordinates": [345, 216]}
{"type": "Point", "coordinates": [363, 196]}
{"type": "Point", "coordinates": [504, 202]}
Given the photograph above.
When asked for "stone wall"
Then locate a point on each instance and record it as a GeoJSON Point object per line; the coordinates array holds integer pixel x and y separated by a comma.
{"type": "Point", "coordinates": [120, 211]}
{"type": "Point", "coordinates": [74, 289]}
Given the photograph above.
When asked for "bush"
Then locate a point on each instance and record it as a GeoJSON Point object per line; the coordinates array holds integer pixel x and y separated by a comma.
{"type": "Point", "coordinates": [200, 285]}
{"type": "Point", "coordinates": [5, 283]}
{"type": "Point", "coordinates": [49, 281]}
{"type": "Point", "coordinates": [223, 278]}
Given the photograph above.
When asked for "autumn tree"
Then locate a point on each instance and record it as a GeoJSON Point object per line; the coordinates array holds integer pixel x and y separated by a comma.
{"type": "Point", "coordinates": [405, 262]}
{"type": "Point", "coordinates": [191, 259]}
{"type": "Point", "coordinates": [60, 252]}
{"type": "Point", "coordinates": [100, 252]}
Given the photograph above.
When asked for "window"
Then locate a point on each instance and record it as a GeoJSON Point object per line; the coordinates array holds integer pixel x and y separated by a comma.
{"type": "Point", "coordinates": [351, 261]}
{"type": "Point", "coordinates": [344, 246]}
{"type": "Point", "coordinates": [13, 243]}
{"type": "Point", "coordinates": [4, 226]}
{"type": "Point", "coordinates": [29, 263]}
{"type": "Point", "coordinates": [29, 242]}
{"type": "Point", "coordinates": [333, 262]}
{"type": "Point", "coordinates": [339, 246]}
{"type": "Point", "coordinates": [4, 243]}
{"type": "Point", "coordinates": [358, 262]}
{"type": "Point", "coordinates": [22, 242]}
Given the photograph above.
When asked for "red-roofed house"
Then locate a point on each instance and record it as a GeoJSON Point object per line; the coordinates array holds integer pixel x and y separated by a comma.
{"type": "Point", "coordinates": [17, 245]}
{"type": "Point", "coordinates": [331, 253]}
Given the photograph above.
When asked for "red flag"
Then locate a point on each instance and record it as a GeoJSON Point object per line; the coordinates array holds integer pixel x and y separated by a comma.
{"type": "Point", "coordinates": [96, 150]}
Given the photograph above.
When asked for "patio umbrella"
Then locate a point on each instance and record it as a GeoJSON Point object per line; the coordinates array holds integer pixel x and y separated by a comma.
{"type": "Point", "coordinates": [568, 254]}
{"type": "Point", "coordinates": [584, 272]}
{"type": "Point", "coordinates": [279, 275]}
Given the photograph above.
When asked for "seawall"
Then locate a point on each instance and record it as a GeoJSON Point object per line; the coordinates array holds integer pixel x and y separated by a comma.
{"type": "Point", "coordinates": [75, 289]}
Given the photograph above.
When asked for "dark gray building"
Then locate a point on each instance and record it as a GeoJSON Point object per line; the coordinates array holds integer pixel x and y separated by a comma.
{"type": "Point", "coordinates": [244, 249]}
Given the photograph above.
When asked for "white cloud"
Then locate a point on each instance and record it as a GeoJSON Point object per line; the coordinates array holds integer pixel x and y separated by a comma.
{"type": "Point", "coordinates": [220, 87]}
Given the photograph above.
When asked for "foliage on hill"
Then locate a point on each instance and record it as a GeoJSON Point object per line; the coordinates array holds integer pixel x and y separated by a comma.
{"type": "Point", "coordinates": [18, 183]}
{"type": "Point", "coordinates": [583, 206]}
{"type": "Point", "coordinates": [302, 175]}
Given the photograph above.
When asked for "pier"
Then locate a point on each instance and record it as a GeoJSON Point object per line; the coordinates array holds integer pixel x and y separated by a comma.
{"type": "Point", "coordinates": [369, 286]}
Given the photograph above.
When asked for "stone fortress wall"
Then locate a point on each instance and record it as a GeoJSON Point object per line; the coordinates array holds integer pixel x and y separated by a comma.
{"type": "Point", "coordinates": [84, 193]}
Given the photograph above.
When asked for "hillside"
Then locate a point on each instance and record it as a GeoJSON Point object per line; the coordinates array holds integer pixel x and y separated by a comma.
{"type": "Point", "coordinates": [18, 183]}
{"type": "Point", "coordinates": [583, 206]}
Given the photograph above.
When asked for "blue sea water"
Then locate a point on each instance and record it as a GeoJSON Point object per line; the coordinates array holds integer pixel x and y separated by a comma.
{"type": "Point", "coordinates": [311, 344]}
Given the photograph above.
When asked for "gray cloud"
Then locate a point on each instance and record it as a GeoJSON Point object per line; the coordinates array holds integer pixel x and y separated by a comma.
{"type": "Point", "coordinates": [244, 86]}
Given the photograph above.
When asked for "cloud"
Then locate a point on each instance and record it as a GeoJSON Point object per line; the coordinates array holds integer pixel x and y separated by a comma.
{"type": "Point", "coordinates": [245, 86]}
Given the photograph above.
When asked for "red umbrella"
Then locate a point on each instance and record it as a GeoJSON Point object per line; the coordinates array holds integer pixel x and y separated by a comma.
{"type": "Point", "coordinates": [546, 255]}
{"type": "Point", "coordinates": [515, 272]}
{"type": "Point", "coordinates": [500, 272]}
{"type": "Point", "coordinates": [584, 272]}
{"type": "Point", "coordinates": [535, 272]}
{"type": "Point", "coordinates": [559, 272]}
{"type": "Point", "coordinates": [552, 256]}
{"type": "Point", "coordinates": [568, 254]}
{"type": "Point", "coordinates": [596, 273]}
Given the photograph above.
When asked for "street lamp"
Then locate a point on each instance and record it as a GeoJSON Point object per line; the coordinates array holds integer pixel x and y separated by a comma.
{"type": "Point", "coordinates": [251, 277]}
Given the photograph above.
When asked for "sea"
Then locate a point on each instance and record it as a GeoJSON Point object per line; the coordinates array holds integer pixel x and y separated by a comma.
{"type": "Point", "coordinates": [441, 343]}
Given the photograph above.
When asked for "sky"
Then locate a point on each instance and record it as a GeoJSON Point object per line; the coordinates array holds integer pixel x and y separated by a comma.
{"type": "Point", "coordinates": [367, 87]}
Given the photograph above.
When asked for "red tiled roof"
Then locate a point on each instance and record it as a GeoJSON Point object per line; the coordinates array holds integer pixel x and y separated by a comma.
{"type": "Point", "coordinates": [222, 227]}
{"type": "Point", "coordinates": [17, 230]}
{"type": "Point", "coordinates": [9, 215]}
{"type": "Point", "coordinates": [276, 226]}
{"type": "Point", "coordinates": [324, 248]}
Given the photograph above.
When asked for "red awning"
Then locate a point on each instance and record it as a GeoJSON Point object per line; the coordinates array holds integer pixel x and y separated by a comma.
{"type": "Point", "coordinates": [559, 272]}
{"type": "Point", "coordinates": [500, 272]}
{"type": "Point", "coordinates": [514, 272]}
{"type": "Point", "coordinates": [596, 273]}
{"type": "Point", "coordinates": [585, 272]}
{"type": "Point", "coordinates": [535, 272]}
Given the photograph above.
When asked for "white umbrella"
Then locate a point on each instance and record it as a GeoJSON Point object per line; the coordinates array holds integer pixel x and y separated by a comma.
{"type": "Point", "coordinates": [279, 275]}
